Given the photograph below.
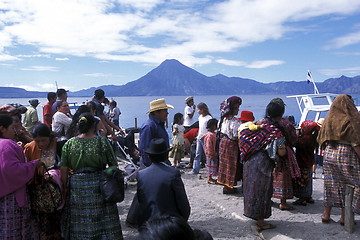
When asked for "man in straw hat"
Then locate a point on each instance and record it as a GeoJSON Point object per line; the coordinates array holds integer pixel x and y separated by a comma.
{"type": "Point", "coordinates": [154, 127]}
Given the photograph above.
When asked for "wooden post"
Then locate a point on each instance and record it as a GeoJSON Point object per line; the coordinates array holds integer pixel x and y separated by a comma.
{"type": "Point", "coordinates": [349, 215]}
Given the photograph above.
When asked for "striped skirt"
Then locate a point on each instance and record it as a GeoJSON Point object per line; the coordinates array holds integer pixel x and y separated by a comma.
{"type": "Point", "coordinates": [85, 215]}
{"type": "Point", "coordinates": [228, 162]}
{"type": "Point", "coordinates": [212, 166]}
{"type": "Point", "coordinates": [341, 167]}
{"type": "Point", "coordinates": [14, 220]}
{"type": "Point", "coordinates": [257, 186]}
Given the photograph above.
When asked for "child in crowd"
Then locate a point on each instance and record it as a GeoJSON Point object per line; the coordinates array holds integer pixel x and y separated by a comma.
{"type": "Point", "coordinates": [178, 145]}
{"type": "Point", "coordinates": [114, 112]}
{"type": "Point", "coordinates": [247, 118]}
{"type": "Point", "coordinates": [212, 159]}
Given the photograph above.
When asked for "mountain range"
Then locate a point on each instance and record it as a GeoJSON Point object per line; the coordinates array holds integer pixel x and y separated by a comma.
{"type": "Point", "coordinates": [172, 78]}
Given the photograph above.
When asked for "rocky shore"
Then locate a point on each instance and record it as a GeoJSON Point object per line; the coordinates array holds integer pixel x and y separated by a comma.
{"type": "Point", "coordinates": [222, 215]}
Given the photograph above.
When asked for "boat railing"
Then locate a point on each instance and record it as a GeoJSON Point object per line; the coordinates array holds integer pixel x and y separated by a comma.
{"type": "Point", "coordinates": [317, 103]}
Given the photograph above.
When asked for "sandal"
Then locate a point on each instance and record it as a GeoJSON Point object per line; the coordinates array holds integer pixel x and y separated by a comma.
{"type": "Point", "coordinates": [267, 226]}
{"type": "Point", "coordinates": [285, 207]}
{"type": "Point", "coordinates": [189, 166]}
{"type": "Point", "coordinates": [325, 220]}
{"type": "Point", "coordinates": [212, 181]}
{"type": "Point", "coordinates": [342, 223]}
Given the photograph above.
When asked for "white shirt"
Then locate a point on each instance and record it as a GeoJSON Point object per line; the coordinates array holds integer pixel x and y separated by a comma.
{"type": "Point", "coordinates": [115, 113]}
{"type": "Point", "coordinates": [60, 121]}
{"type": "Point", "coordinates": [202, 125]}
{"type": "Point", "coordinates": [187, 120]}
{"type": "Point", "coordinates": [230, 127]}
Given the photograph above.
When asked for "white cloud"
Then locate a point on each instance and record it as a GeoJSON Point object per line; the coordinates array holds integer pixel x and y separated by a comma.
{"type": "Point", "coordinates": [26, 87]}
{"type": "Point", "coordinates": [62, 59]}
{"type": "Point", "coordinates": [255, 64]}
{"type": "Point", "coordinates": [264, 64]}
{"type": "Point", "coordinates": [150, 31]}
{"type": "Point", "coordinates": [231, 62]}
{"type": "Point", "coordinates": [7, 57]}
{"type": "Point", "coordinates": [33, 56]}
{"type": "Point", "coordinates": [6, 64]}
{"type": "Point", "coordinates": [96, 75]}
{"type": "Point", "coordinates": [37, 86]}
{"type": "Point", "coordinates": [341, 71]}
{"type": "Point", "coordinates": [141, 4]}
{"type": "Point", "coordinates": [40, 68]}
{"type": "Point", "coordinates": [349, 39]}
{"type": "Point", "coordinates": [46, 86]}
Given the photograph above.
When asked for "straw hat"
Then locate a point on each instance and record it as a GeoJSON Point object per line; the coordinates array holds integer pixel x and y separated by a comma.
{"type": "Point", "coordinates": [247, 116]}
{"type": "Point", "coordinates": [158, 104]}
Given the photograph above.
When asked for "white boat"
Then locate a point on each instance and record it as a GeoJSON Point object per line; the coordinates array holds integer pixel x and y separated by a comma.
{"type": "Point", "coordinates": [314, 106]}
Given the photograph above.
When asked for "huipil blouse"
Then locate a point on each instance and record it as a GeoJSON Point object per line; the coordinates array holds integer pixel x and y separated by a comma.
{"type": "Point", "coordinates": [79, 153]}
{"type": "Point", "coordinates": [230, 127]}
{"type": "Point", "coordinates": [15, 172]}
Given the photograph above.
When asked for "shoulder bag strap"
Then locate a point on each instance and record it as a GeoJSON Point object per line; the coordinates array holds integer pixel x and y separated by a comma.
{"type": "Point", "coordinates": [102, 163]}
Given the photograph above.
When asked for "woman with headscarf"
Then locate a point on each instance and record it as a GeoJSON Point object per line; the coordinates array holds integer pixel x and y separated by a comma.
{"type": "Point", "coordinates": [287, 168]}
{"type": "Point", "coordinates": [340, 136]}
{"type": "Point", "coordinates": [259, 151]}
{"type": "Point", "coordinates": [228, 149]}
{"type": "Point", "coordinates": [305, 157]}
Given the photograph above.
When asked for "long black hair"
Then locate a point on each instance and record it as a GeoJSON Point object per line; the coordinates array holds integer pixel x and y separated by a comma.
{"type": "Point", "coordinates": [177, 118]}
{"type": "Point", "coordinates": [274, 110]}
{"type": "Point", "coordinates": [5, 121]}
{"type": "Point", "coordinates": [86, 121]}
{"type": "Point", "coordinates": [73, 129]}
{"type": "Point", "coordinates": [42, 130]}
{"type": "Point", "coordinates": [165, 228]}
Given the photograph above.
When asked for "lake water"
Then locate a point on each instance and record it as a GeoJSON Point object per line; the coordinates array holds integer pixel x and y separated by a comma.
{"type": "Point", "coordinates": [136, 107]}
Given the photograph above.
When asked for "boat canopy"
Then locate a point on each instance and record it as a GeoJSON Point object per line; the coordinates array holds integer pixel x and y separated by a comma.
{"type": "Point", "coordinates": [317, 103]}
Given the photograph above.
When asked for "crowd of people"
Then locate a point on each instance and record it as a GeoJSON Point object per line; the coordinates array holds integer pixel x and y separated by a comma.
{"type": "Point", "coordinates": [67, 150]}
{"type": "Point", "coordinates": [270, 158]}
{"type": "Point", "coordinates": [273, 158]}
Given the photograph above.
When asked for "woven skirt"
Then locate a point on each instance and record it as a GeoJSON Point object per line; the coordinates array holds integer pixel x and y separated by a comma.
{"type": "Point", "coordinates": [228, 162]}
{"type": "Point", "coordinates": [14, 220]}
{"type": "Point", "coordinates": [282, 183]}
{"type": "Point", "coordinates": [341, 167]}
{"type": "Point", "coordinates": [257, 186]}
{"type": "Point", "coordinates": [86, 216]}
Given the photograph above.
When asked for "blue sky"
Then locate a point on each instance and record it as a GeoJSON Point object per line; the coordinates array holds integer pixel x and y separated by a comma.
{"type": "Point", "coordinates": [81, 44]}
